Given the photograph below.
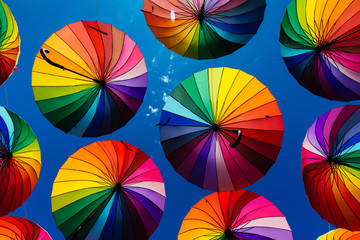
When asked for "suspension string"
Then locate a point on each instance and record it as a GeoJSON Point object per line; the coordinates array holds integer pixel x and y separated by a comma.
{"type": "Point", "coordinates": [6, 96]}
{"type": "Point", "coordinates": [25, 211]}
{"type": "Point", "coordinates": [97, 12]}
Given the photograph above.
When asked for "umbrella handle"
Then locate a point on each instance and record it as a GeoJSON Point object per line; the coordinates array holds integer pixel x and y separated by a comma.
{"type": "Point", "coordinates": [42, 52]}
{"type": "Point", "coordinates": [97, 29]}
{"type": "Point", "coordinates": [237, 141]}
{"type": "Point", "coordinates": [160, 124]}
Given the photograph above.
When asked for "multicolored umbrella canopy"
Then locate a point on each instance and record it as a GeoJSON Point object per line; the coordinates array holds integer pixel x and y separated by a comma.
{"type": "Point", "coordinates": [203, 29]}
{"type": "Point", "coordinates": [221, 129]}
{"type": "Point", "coordinates": [89, 79]}
{"type": "Point", "coordinates": [20, 161]}
{"type": "Point", "coordinates": [340, 234]}
{"type": "Point", "coordinates": [320, 45]}
{"type": "Point", "coordinates": [331, 166]}
{"type": "Point", "coordinates": [234, 215]}
{"type": "Point", "coordinates": [9, 42]}
{"type": "Point", "coordinates": [18, 228]}
{"type": "Point", "coordinates": [108, 190]}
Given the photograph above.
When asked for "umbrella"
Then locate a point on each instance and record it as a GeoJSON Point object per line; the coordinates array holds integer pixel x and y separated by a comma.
{"type": "Point", "coordinates": [330, 166]}
{"type": "Point", "coordinates": [320, 45]}
{"type": "Point", "coordinates": [234, 215]}
{"type": "Point", "coordinates": [340, 234]}
{"type": "Point", "coordinates": [21, 229]}
{"type": "Point", "coordinates": [9, 42]}
{"type": "Point", "coordinates": [221, 129]}
{"type": "Point", "coordinates": [108, 190]}
{"type": "Point", "coordinates": [203, 29]}
{"type": "Point", "coordinates": [89, 79]}
{"type": "Point", "coordinates": [20, 161]}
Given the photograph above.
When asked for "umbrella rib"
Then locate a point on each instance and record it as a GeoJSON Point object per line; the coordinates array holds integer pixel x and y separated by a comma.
{"type": "Point", "coordinates": [222, 112]}
{"type": "Point", "coordinates": [208, 115]}
{"type": "Point", "coordinates": [239, 93]}
{"type": "Point", "coordinates": [55, 75]}
{"type": "Point", "coordinates": [127, 60]}
{"type": "Point", "coordinates": [88, 54]}
{"type": "Point", "coordinates": [234, 159]}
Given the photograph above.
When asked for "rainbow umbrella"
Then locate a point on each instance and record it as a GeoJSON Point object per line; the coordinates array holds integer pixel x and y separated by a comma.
{"type": "Point", "coordinates": [18, 228]}
{"type": "Point", "coordinates": [340, 234]}
{"type": "Point", "coordinates": [234, 215]}
{"type": "Point", "coordinates": [89, 79]}
{"type": "Point", "coordinates": [20, 161]}
{"type": "Point", "coordinates": [108, 190]}
{"type": "Point", "coordinates": [221, 129]}
{"type": "Point", "coordinates": [331, 164]}
{"type": "Point", "coordinates": [9, 42]}
{"type": "Point", "coordinates": [204, 29]}
{"type": "Point", "coordinates": [320, 45]}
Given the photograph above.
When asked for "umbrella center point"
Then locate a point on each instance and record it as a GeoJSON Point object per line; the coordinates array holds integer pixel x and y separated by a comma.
{"type": "Point", "coordinates": [201, 14]}
{"type": "Point", "coordinates": [228, 234]}
{"type": "Point", "coordinates": [117, 187]}
{"type": "Point", "coordinates": [321, 47]}
{"type": "Point", "coordinates": [101, 82]}
{"type": "Point", "coordinates": [215, 127]}
{"type": "Point", "coordinates": [5, 156]}
{"type": "Point", "coordinates": [330, 160]}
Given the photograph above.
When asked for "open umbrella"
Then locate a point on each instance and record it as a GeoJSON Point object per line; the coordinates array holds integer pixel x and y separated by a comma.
{"type": "Point", "coordinates": [221, 129]}
{"type": "Point", "coordinates": [320, 46]}
{"type": "Point", "coordinates": [234, 215]}
{"type": "Point", "coordinates": [20, 161]}
{"type": "Point", "coordinates": [108, 190]}
{"type": "Point", "coordinates": [340, 234]}
{"type": "Point", "coordinates": [9, 42]}
{"type": "Point", "coordinates": [18, 228]}
{"type": "Point", "coordinates": [203, 29]}
{"type": "Point", "coordinates": [89, 79]}
{"type": "Point", "coordinates": [331, 166]}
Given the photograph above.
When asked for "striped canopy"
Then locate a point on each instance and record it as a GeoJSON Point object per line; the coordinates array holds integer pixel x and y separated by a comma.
{"type": "Point", "coordinates": [221, 129]}
{"type": "Point", "coordinates": [89, 79]}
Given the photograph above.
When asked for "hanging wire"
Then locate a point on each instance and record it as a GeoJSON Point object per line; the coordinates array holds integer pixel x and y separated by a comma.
{"type": "Point", "coordinates": [97, 12]}
{"type": "Point", "coordinates": [6, 96]}
{"type": "Point", "coordinates": [26, 216]}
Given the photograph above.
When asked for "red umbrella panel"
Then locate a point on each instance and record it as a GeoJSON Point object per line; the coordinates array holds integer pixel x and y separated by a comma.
{"type": "Point", "coordinates": [331, 166]}
{"type": "Point", "coordinates": [108, 190]}
{"type": "Point", "coordinates": [240, 215]}
{"type": "Point", "coordinates": [17, 228]}
{"type": "Point", "coordinates": [9, 42]}
{"type": "Point", "coordinates": [221, 129]}
{"type": "Point", "coordinates": [89, 79]}
{"type": "Point", "coordinates": [20, 161]}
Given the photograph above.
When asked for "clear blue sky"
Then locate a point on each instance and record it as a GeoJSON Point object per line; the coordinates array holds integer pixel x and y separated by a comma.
{"type": "Point", "coordinates": [261, 57]}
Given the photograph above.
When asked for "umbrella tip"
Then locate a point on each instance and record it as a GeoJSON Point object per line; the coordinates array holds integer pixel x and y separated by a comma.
{"type": "Point", "coordinates": [6, 156]}
{"type": "Point", "coordinates": [215, 127]}
{"type": "Point", "coordinates": [228, 234]}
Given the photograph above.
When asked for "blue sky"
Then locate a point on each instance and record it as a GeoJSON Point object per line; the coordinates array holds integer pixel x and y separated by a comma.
{"type": "Point", "coordinates": [261, 57]}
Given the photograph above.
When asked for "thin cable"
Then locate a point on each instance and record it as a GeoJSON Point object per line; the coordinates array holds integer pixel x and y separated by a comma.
{"type": "Point", "coordinates": [25, 211]}
{"type": "Point", "coordinates": [6, 97]}
{"type": "Point", "coordinates": [97, 12]}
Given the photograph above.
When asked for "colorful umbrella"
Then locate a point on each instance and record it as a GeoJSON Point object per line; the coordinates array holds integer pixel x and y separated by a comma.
{"type": "Point", "coordinates": [331, 166]}
{"type": "Point", "coordinates": [320, 46]}
{"type": "Point", "coordinates": [340, 234]}
{"type": "Point", "coordinates": [108, 190]}
{"type": "Point", "coordinates": [9, 42]}
{"type": "Point", "coordinates": [20, 161]}
{"type": "Point", "coordinates": [89, 79]}
{"type": "Point", "coordinates": [234, 215]}
{"type": "Point", "coordinates": [221, 129]}
{"type": "Point", "coordinates": [18, 228]}
{"type": "Point", "coordinates": [204, 29]}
